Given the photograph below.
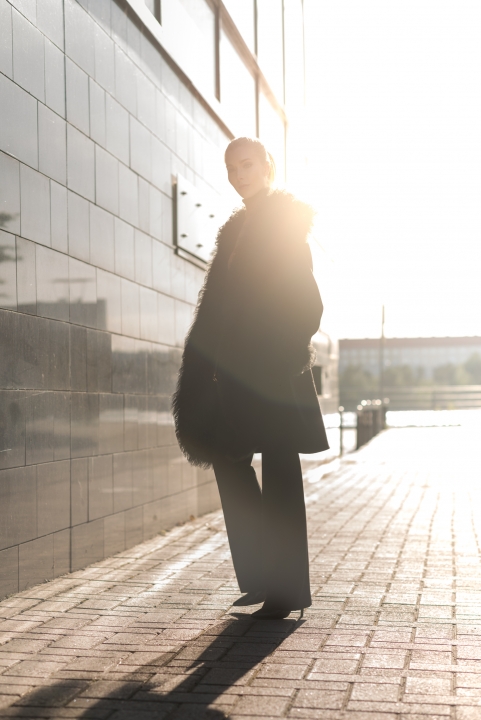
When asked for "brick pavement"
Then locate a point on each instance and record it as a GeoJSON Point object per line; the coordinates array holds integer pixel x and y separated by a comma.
{"type": "Point", "coordinates": [394, 631]}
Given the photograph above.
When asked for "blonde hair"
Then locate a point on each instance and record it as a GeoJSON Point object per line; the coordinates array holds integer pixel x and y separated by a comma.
{"type": "Point", "coordinates": [259, 149]}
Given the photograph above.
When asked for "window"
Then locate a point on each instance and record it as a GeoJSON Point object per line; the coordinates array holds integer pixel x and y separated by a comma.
{"type": "Point", "coordinates": [294, 54]}
{"type": "Point", "coordinates": [272, 133]}
{"type": "Point", "coordinates": [154, 7]}
{"type": "Point", "coordinates": [237, 89]}
{"type": "Point", "coordinates": [242, 13]}
{"type": "Point", "coordinates": [270, 44]}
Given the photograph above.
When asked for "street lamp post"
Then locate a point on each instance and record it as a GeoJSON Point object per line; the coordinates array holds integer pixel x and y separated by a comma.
{"type": "Point", "coordinates": [381, 359]}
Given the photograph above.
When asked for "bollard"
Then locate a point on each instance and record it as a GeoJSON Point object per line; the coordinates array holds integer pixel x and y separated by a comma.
{"type": "Point", "coordinates": [371, 420]}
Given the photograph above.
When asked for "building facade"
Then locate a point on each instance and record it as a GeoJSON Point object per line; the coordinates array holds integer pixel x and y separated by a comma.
{"type": "Point", "coordinates": [422, 355]}
{"type": "Point", "coordinates": [104, 106]}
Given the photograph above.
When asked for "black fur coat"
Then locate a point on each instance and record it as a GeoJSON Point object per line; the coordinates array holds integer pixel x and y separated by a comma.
{"type": "Point", "coordinates": [245, 379]}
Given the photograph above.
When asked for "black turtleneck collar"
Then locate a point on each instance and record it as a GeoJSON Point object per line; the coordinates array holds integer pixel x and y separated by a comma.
{"type": "Point", "coordinates": [252, 202]}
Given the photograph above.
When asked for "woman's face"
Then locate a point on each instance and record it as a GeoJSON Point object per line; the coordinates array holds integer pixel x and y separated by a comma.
{"type": "Point", "coordinates": [247, 173]}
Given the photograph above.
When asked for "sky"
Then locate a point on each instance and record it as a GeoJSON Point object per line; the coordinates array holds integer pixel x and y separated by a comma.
{"type": "Point", "coordinates": [394, 164]}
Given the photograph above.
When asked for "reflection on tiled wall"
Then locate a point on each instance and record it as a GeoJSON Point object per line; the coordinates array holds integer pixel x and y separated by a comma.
{"type": "Point", "coordinates": [94, 302]}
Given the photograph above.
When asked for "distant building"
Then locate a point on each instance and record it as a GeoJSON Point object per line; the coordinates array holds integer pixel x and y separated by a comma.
{"type": "Point", "coordinates": [421, 354]}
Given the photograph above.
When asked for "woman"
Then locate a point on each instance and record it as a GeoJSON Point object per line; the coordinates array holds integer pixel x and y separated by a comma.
{"type": "Point", "coordinates": [245, 383]}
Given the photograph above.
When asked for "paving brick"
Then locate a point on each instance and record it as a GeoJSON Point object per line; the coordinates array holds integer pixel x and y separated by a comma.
{"type": "Point", "coordinates": [394, 630]}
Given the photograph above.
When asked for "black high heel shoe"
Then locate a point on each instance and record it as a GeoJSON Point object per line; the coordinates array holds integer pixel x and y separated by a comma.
{"type": "Point", "coordinates": [274, 613]}
{"type": "Point", "coordinates": [250, 598]}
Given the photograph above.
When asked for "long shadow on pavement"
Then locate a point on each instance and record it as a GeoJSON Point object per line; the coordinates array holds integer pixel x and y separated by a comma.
{"type": "Point", "coordinates": [179, 685]}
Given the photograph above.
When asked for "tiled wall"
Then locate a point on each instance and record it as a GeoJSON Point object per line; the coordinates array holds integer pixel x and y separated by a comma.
{"type": "Point", "coordinates": [94, 302]}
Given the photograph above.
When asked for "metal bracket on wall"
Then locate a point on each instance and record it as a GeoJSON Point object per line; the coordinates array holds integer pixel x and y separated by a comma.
{"type": "Point", "coordinates": [196, 221]}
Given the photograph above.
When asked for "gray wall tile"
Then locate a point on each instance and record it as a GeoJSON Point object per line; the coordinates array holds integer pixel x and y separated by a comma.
{"type": "Point", "coordinates": [8, 275]}
{"type": "Point", "coordinates": [52, 284]}
{"type": "Point", "coordinates": [81, 165]}
{"type": "Point", "coordinates": [99, 368]}
{"type": "Point", "coordinates": [79, 36]}
{"type": "Point", "coordinates": [18, 126]}
{"type": "Point", "coordinates": [12, 428]}
{"type": "Point", "coordinates": [9, 194]}
{"type": "Point", "coordinates": [183, 320]}
{"type": "Point", "coordinates": [122, 481]}
{"type": "Point", "coordinates": [149, 322]}
{"type": "Point", "coordinates": [125, 81]}
{"type": "Point", "coordinates": [144, 205]}
{"type": "Point", "coordinates": [28, 56]}
{"type": "Point", "coordinates": [78, 227]}
{"type": "Point", "coordinates": [146, 92]}
{"type": "Point", "coordinates": [143, 258]}
{"type": "Point", "coordinates": [151, 61]}
{"type": "Point", "coordinates": [83, 293]}
{"type": "Point", "coordinates": [161, 166]}
{"type": "Point", "coordinates": [111, 423]}
{"type": "Point", "coordinates": [160, 130]}
{"type": "Point", "coordinates": [87, 543]}
{"type": "Point", "coordinates": [117, 121]}
{"type": "Point", "coordinates": [166, 315]}
{"type": "Point", "coordinates": [114, 534]}
{"type": "Point", "coordinates": [9, 571]}
{"type": "Point", "coordinates": [97, 113]}
{"type": "Point", "coordinates": [104, 60]}
{"type": "Point", "coordinates": [53, 496]}
{"type": "Point", "coordinates": [61, 552]}
{"type": "Point", "coordinates": [79, 489]}
{"type": "Point", "coordinates": [100, 486]}
{"type": "Point", "coordinates": [58, 358]}
{"type": "Point", "coordinates": [35, 205]}
{"type": "Point", "coordinates": [35, 562]}
{"type": "Point", "coordinates": [178, 277]}
{"type": "Point", "coordinates": [130, 308]}
{"type": "Point", "coordinates": [78, 358]}
{"type": "Point", "coordinates": [58, 217]}
{"type": "Point", "coordinates": [18, 500]}
{"type": "Point", "coordinates": [27, 8]}
{"type": "Point", "coordinates": [26, 276]}
{"type": "Point", "coordinates": [155, 212]}
{"type": "Point", "coordinates": [140, 149]}
{"type": "Point", "coordinates": [101, 238]}
{"type": "Point", "coordinates": [124, 249]}
{"type": "Point", "coordinates": [106, 180]}
{"type": "Point", "coordinates": [109, 302]}
{"type": "Point", "coordinates": [128, 195]}
{"type": "Point", "coordinates": [133, 526]}
{"type": "Point", "coordinates": [161, 267]}
{"type": "Point", "coordinates": [54, 78]}
{"type": "Point", "coordinates": [6, 61]}
{"type": "Point", "coordinates": [77, 86]}
{"type": "Point", "coordinates": [118, 19]}
{"type": "Point", "coordinates": [167, 220]}
{"type": "Point", "coordinates": [84, 424]}
{"type": "Point", "coordinates": [39, 428]}
{"type": "Point", "coordinates": [131, 423]}
{"type": "Point", "coordinates": [52, 144]}
{"type": "Point", "coordinates": [50, 20]}
{"type": "Point", "coordinates": [100, 10]}
{"type": "Point", "coordinates": [61, 426]}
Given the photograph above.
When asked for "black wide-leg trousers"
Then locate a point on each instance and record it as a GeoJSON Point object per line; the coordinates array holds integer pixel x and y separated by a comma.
{"type": "Point", "coordinates": [267, 529]}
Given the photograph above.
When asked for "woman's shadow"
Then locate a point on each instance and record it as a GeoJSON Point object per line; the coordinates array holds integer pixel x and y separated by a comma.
{"type": "Point", "coordinates": [222, 659]}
